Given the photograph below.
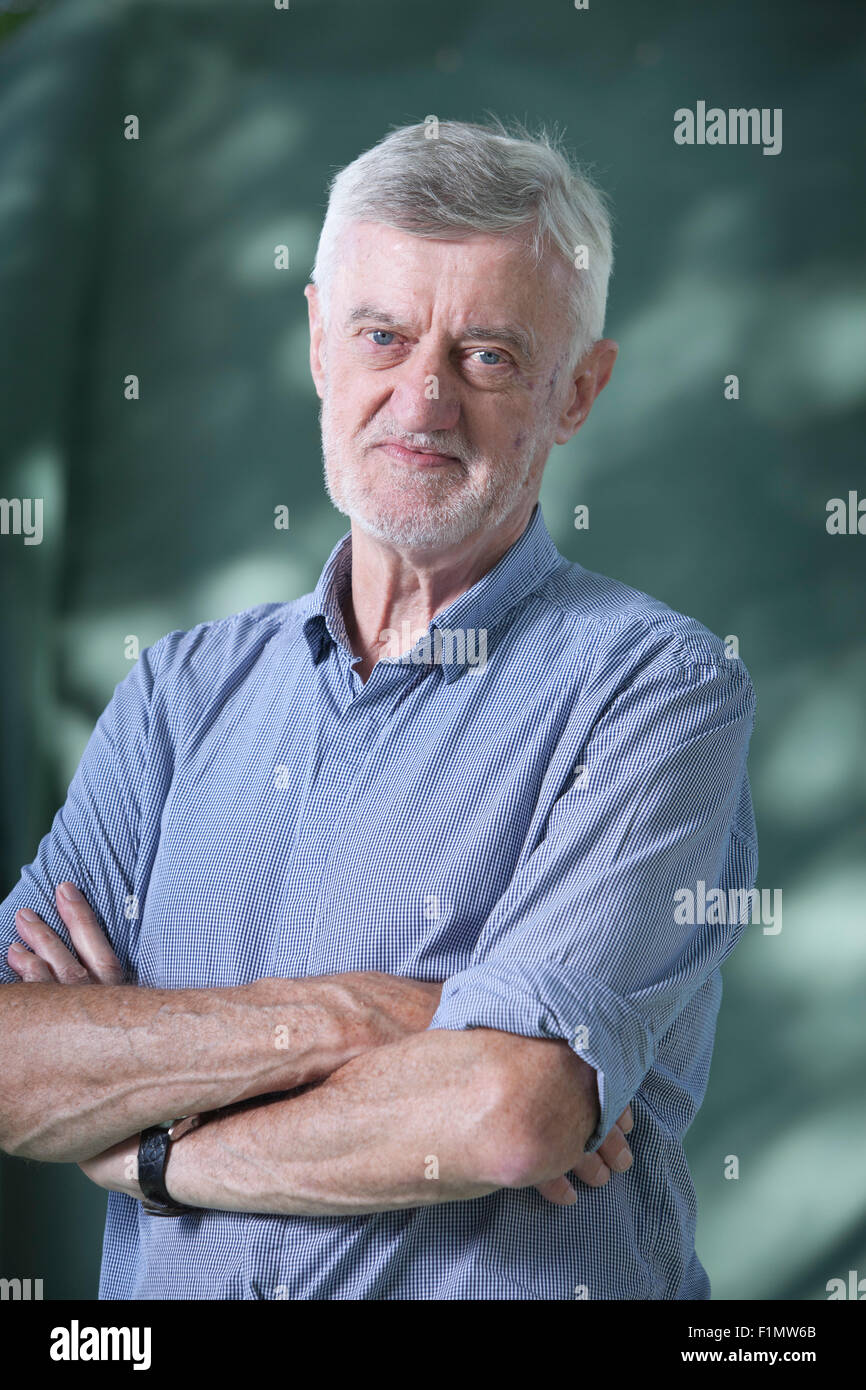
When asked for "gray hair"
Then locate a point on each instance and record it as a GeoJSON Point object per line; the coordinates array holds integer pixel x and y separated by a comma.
{"type": "Point", "coordinates": [453, 178]}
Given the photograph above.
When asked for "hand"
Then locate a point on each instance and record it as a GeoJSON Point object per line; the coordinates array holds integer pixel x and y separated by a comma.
{"type": "Point", "coordinates": [390, 1007]}
{"type": "Point", "coordinates": [613, 1154]}
{"type": "Point", "coordinates": [48, 961]}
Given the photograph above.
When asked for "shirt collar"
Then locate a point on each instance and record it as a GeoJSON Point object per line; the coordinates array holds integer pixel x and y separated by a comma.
{"type": "Point", "coordinates": [481, 609]}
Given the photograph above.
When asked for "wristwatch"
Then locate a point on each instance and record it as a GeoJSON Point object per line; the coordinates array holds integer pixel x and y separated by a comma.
{"type": "Point", "coordinates": [153, 1147]}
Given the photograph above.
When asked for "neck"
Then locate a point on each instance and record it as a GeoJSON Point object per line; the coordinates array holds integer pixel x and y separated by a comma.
{"type": "Point", "coordinates": [393, 586]}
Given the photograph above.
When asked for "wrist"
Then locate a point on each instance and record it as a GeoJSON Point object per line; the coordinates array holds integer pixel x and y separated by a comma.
{"type": "Point", "coordinates": [116, 1168]}
{"type": "Point", "coordinates": [315, 1025]}
{"type": "Point", "coordinates": [172, 1176]}
{"type": "Point", "coordinates": [155, 1147]}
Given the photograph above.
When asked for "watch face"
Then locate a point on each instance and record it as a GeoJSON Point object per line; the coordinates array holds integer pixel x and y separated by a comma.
{"type": "Point", "coordinates": [178, 1128]}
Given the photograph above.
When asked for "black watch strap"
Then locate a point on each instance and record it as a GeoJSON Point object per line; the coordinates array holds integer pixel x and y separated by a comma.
{"type": "Point", "coordinates": [152, 1156]}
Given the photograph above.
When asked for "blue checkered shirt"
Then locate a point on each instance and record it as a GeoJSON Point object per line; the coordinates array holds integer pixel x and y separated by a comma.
{"type": "Point", "coordinates": [520, 827]}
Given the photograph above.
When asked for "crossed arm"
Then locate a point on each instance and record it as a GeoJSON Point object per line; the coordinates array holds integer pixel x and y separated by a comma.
{"type": "Point", "coordinates": [392, 1114]}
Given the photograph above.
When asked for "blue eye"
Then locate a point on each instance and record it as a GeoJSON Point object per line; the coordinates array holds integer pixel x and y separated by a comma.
{"type": "Point", "coordinates": [489, 352]}
{"type": "Point", "coordinates": [384, 332]}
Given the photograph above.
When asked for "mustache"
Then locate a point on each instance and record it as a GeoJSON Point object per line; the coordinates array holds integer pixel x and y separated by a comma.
{"type": "Point", "coordinates": [443, 443]}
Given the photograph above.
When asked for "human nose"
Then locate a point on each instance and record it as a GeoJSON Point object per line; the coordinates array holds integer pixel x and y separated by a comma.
{"type": "Point", "coordinates": [425, 398]}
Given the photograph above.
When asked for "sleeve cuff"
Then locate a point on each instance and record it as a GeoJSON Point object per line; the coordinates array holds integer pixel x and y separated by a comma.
{"type": "Point", "coordinates": [544, 1001]}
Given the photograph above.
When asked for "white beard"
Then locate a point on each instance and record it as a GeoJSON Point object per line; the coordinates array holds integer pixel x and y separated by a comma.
{"type": "Point", "coordinates": [419, 508]}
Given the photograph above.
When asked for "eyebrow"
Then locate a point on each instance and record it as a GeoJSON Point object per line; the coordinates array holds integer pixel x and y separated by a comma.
{"type": "Point", "coordinates": [522, 342]}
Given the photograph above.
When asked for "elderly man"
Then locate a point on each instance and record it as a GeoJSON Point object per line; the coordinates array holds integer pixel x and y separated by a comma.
{"type": "Point", "coordinates": [384, 942]}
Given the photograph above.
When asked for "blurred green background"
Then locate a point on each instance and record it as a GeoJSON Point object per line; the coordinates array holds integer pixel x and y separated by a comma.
{"type": "Point", "coordinates": [156, 257]}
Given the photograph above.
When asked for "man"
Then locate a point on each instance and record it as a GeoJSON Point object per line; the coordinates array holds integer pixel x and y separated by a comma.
{"type": "Point", "coordinates": [410, 847]}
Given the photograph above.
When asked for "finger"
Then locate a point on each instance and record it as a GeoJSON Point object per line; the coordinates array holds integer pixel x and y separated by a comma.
{"type": "Point", "coordinates": [592, 1169]}
{"type": "Point", "coordinates": [615, 1150]}
{"type": "Point", "coordinates": [65, 969]}
{"type": "Point", "coordinates": [559, 1191]}
{"type": "Point", "coordinates": [87, 936]}
{"type": "Point", "coordinates": [626, 1120]}
{"type": "Point", "coordinates": [28, 966]}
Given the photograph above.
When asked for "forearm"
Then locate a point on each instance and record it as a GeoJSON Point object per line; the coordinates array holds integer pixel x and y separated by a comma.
{"type": "Point", "coordinates": [436, 1118]}
{"type": "Point", "coordinates": [359, 1142]}
{"type": "Point", "coordinates": [85, 1066]}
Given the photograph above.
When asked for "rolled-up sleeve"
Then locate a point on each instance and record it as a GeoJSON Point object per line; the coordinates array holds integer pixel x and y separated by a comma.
{"type": "Point", "coordinates": [604, 933]}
